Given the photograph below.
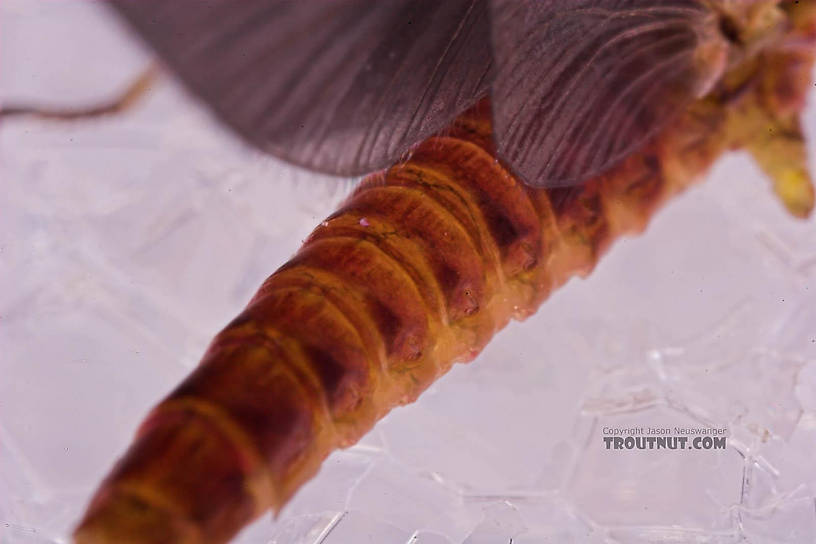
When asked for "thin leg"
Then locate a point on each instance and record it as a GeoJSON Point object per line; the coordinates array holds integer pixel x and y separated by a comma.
{"type": "Point", "coordinates": [127, 99]}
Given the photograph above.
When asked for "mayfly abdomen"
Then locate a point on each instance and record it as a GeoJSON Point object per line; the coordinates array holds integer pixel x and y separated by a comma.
{"type": "Point", "coordinates": [419, 268]}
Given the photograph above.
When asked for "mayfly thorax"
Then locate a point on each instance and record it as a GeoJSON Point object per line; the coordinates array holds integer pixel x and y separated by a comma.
{"type": "Point", "coordinates": [512, 142]}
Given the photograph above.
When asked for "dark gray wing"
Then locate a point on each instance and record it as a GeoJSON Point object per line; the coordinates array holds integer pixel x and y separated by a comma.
{"type": "Point", "coordinates": [582, 83]}
{"type": "Point", "coordinates": [340, 86]}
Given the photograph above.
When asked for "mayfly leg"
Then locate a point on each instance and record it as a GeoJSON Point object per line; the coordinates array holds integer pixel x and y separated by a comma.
{"type": "Point", "coordinates": [125, 100]}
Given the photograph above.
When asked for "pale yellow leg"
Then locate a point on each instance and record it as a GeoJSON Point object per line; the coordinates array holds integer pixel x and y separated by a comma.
{"type": "Point", "coordinates": [780, 152]}
{"type": "Point", "coordinates": [134, 92]}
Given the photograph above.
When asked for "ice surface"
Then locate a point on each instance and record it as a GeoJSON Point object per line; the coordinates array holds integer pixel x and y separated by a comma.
{"type": "Point", "coordinates": [126, 243]}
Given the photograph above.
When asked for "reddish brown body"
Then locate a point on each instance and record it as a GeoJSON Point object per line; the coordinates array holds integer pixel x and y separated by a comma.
{"type": "Point", "coordinates": [419, 268]}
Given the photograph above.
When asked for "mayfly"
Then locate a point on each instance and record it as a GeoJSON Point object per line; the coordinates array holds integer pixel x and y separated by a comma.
{"type": "Point", "coordinates": [513, 142]}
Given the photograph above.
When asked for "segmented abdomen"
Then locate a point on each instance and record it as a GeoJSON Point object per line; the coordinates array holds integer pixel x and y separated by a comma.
{"type": "Point", "coordinates": [419, 268]}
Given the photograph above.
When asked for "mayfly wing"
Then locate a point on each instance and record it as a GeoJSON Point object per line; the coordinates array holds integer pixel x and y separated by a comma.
{"type": "Point", "coordinates": [339, 86]}
{"type": "Point", "coordinates": [581, 84]}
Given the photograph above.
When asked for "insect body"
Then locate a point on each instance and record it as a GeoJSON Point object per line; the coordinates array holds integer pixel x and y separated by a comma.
{"type": "Point", "coordinates": [426, 261]}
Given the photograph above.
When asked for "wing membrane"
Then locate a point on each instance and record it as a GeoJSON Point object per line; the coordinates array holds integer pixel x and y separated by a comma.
{"type": "Point", "coordinates": [340, 86]}
{"type": "Point", "coordinates": [581, 84]}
